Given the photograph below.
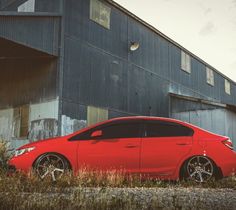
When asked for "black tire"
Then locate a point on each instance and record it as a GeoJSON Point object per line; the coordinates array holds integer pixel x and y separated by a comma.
{"type": "Point", "coordinates": [51, 165]}
{"type": "Point", "coordinates": [199, 169]}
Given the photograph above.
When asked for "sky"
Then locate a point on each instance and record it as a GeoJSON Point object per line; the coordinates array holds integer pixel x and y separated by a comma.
{"type": "Point", "coordinates": [207, 28]}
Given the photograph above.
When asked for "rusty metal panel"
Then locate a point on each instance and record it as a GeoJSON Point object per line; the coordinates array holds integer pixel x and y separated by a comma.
{"type": "Point", "coordinates": [38, 32]}
{"type": "Point", "coordinates": [95, 115]}
{"type": "Point", "coordinates": [43, 129]}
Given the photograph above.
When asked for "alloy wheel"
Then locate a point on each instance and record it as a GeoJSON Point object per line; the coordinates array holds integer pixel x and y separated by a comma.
{"type": "Point", "coordinates": [50, 165]}
{"type": "Point", "coordinates": [200, 169]}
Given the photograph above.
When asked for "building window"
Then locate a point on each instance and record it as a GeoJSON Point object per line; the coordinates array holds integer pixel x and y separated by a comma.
{"type": "Point", "coordinates": [28, 6]}
{"type": "Point", "coordinates": [100, 13]}
{"type": "Point", "coordinates": [185, 62]}
{"type": "Point", "coordinates": [95, 115]}
{"type": "Point", "coordinates": [210, 76]}
{"type": "Point", "coordinates": [227, 86]}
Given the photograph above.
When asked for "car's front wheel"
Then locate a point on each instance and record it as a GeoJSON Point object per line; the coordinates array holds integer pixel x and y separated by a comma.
{"type": "Point", "coordinates": [199, 169]}
{"type": "Point", "coordinates": [51, 165]}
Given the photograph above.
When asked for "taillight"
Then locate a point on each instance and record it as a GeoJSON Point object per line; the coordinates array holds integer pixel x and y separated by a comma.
{"type": "Point", "coordinates": [228, 143]}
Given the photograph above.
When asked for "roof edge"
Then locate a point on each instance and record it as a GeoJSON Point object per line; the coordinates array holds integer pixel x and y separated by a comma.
{"type": "Point", "coordinates": [118, 6]}
{"type": "Point", "coordinates": [30, 14]}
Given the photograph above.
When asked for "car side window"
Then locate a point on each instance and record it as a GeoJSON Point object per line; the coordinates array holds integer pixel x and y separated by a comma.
{"type": "Point", "coordinates": [166, 129]}
{"type": "Point", "coordinates": [126, 130]}
{"type": "Point", "coordinates": [113, 130]}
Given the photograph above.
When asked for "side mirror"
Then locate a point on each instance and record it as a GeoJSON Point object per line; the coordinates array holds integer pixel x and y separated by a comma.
{"type": "Point", "coordinates": [97, 133]}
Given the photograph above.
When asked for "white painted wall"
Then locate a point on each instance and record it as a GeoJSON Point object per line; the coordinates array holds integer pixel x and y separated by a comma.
{"type": "Point", "coordinates": [44, 110]}
{"type": "Point", "coordinates": [40, 112]}
{"type": "Point", "coordinates": [43, 120]}
{"type": "Point", "coordinates": [69, 125]}
{"type": "Point", "coordinates": [6, 124]}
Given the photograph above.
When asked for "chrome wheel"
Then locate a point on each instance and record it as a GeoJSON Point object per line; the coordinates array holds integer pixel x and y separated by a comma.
{"type": "Point", "coordinates": [50, 165]}
{"type": "Point", "coordinates": [200, 169]}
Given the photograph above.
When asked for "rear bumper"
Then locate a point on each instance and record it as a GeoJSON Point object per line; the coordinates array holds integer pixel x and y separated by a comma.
{"type": "Point", "coordinates": [228, 168]}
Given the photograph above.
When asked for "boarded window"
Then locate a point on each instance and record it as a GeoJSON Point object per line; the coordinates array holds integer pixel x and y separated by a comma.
{"type": "Point", "coordinates": [24, 123]}
{"type": "Point", "coordinates": [100, 13]}
{"type": "Point", "coordinates": [28, 6]}
{"type": "Point", "coordinates": [95, 115]}
{"type": "Point", "coordinates": [210, 76]}
{"type": "Point", "coordinates": [16, 122]}
{"type": "Point", "coordinates": [185, 62]}
{"type": "Point", "coordinates": [227, 86]}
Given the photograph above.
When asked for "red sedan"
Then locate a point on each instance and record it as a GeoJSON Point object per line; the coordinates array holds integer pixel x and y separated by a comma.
{"type": "Point", "coordinates": [160, 147]}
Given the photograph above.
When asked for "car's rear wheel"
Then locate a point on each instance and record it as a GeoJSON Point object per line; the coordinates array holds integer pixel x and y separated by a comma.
{"type": "Point", "coordinates": [199, 169]}
{"type": "Point", "coordinates": [51, 165]}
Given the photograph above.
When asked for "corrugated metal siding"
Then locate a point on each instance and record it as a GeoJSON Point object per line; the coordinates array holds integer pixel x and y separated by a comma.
{"type": "Point", "coordinates": [41, 33]}
{"type": "Point", "coordinates": [7, 3]}
{"type": "Point", "coordinates": [79, 25]}
{"type": "Point", "coordinates": [94, 81]}
{"type": "Point", "coordinates": [104, 73]}
{"type": "Point", "coordinates": [48, 6]}
{"type": "Point", "coordinates": [220, 121]}
{"type": "Point", "coordinates": [40, 5]}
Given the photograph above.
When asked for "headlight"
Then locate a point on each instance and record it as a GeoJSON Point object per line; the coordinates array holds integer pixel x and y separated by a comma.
{"type": "Point", "coordinates": [19, 152]}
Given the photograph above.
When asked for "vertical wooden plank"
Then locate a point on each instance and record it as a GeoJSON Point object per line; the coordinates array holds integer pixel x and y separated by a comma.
{"type": "Point", "coordinates": [24, 123]}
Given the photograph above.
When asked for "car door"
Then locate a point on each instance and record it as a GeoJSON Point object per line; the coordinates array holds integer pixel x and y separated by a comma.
{"type": "Point", "coordinates": [164, 144]}
{"type": "Point", "coordinates": [112, 146]}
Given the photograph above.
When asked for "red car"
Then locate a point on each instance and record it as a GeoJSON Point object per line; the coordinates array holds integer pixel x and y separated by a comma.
{"type": "Point", "coordinates": [160, 147]}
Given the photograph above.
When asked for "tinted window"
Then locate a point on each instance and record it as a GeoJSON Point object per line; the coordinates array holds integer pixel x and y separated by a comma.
{"type": "Point", "coordinates": [113, 130]}
{"type": "Point", "coordinates": [128, 130]}
{"type": "Point", "coordinates": [166, 129]}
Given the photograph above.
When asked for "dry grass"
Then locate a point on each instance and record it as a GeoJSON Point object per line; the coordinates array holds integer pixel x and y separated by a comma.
{"type": "Point", "coordinates": [29, 192]}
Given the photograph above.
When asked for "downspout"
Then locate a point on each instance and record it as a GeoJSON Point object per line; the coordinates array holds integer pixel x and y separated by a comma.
{"type": "Point", "coordinates": [61, 67]}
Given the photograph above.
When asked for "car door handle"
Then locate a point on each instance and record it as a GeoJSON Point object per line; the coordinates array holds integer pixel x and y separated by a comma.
{"type": "Point", "coordinates": [131, 146]}
{"type": "Point", "coordinates": [182, 144]}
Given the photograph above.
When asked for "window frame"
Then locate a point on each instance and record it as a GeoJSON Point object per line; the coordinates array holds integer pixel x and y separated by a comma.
{"type": "Point", "coordinates": [98, 19]}
{"type": "Point", "coordinates": [27, 6]}
{"type": "Point", "coordinates": [87, 133]}
{"type": "Point", "coordinates": [210, 77]}
{"type": "Point", "coordinates": [165, 122]}
{"type": "Point", "coordinates": [227, 87]}
{"type": "Point", "coordinates": [186, 62]}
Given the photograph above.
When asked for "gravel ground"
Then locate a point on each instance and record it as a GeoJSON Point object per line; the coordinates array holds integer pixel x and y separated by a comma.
{"type": "Point", "coordinates": [170, 198]}
{"type": "Point", "coordinates": [124, 198]}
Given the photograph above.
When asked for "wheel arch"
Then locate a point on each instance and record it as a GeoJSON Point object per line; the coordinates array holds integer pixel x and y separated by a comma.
{"type": "Point", "coordinates": [55, 153]}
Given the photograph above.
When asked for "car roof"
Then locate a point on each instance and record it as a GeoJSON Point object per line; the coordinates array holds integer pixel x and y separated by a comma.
{"type": "Point", "coordinates": [145, 118]}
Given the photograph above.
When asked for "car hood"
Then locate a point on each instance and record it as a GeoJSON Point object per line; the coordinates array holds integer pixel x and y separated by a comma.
{"type": "Point", "coordinates": [32, 144]}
